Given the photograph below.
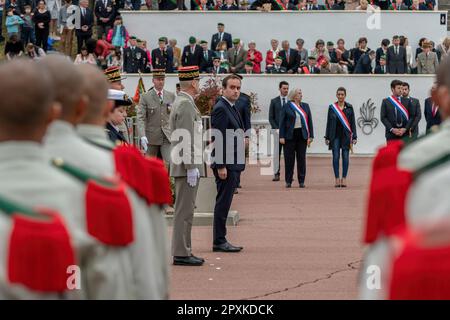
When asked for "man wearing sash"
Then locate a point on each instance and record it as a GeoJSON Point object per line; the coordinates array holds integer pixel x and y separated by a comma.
{"type": "Point", "coordinates": [397, 114]}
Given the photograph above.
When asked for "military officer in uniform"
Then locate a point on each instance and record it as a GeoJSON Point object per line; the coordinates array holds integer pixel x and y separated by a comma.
{"type": "Point", "coordinates": [153, 118]}
{"type": "Point", "coordinates": [117, 116]}
{"type": "Point", "coordinates": [135, 59]}
{"type": "Point", "coordinates": [187, 169]}
{"type": "Point", "coordinates": [162, 57]}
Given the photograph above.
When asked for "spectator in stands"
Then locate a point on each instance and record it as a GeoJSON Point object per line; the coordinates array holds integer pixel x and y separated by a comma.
{"type": "Point", "coordinates": [164, 4]}
{"type": "Point", "coordinates": [13, 47]}
{"type": "Point", "coordinates": [13, 23]}
{"type": "Point", "coordinates": [290, 57]}
{"type": "Point", "coordinates": [254, 56]}
{"type": "Point", "coordinates": [381, 68]}
{"type": "Point", "coordinates": [277, 67]}
{"type": "Point", "coordinates": [207, 57]}
{"type": "Point", "coordinates": [85, 57]}
{"type": "Point", "coordinates": [202, 6]}
{"type": "Point", "coordinates": [221, 35]}
{"type": "Point", "coordinates": [176, 53]}
{"type": "Point", "coordinates": [427, 61]}
{"type": "Point", "coordinates": [222, 53]}
{"type": "Point", "coordinates": [313, 5]}
{"type": "Point", "coordinates": [105, 14]}
{"type": "Point", "coordinates": [343, 57]}
{"type": "Point", "coordinates": [53, 7]}
{"type": "Point", "coordinates": [332, 5]}
{"type": "Point", "coordinates": [218, 5]}
{"type": "Point", "coordinates": [143, 46]}
{"type": "Point", "coordinates": [396, 57]}
{"type": "Point", "coordinates": [114, 59]}
{"type": "Point", "coordinates": [419, 48]}
{"type": "Point", "coordinates": [66, 31]}
{"type": "Point", "coordinates": [360, 50]}
{"type": "Point", "coordinates": [236, 57]}
{"type": "Point", "coordinates": [330, 68]}
{"type": "Point", "coordinates": [134, 58]}
{"type": "Point", "coordinates": [320, 52]}
{"type": "Point", "coordinates": [27, 34]}
{"type": "Point", "coordinates": [192, 54]}
{"type": "Point", "coordinates": [398, 5]}
{"type": "Point", "coordinates": [2, 6]}
{"type": "Point", "coordinates": [162, 57]}
{"type": "Point", "coordinates": [248, 67]}
{"type": "Point", "coordinates": [311, 68]}
{"type": "Point", "coordinates": [272, 53]}
{"type": "Point", "coordinates": [86, 23]}
{"type": "Point", "coordinates": [383, 4]}
{"type": "Point", "coordinates": [302, 52]}
{"type": "Point", "coordinates": [284, 5]}
{"type": "Point", "coordinates": [409, 57]}
{"type": "Point", "coordinates": [332, 52]}
{"type": "Point", "coordinates": [418, 5]}
{"type": "Point", "coordinates": [300, 6]}
{"type": "Point", "coordinates": [365, 6]}
{"type": "Point", "coordinates": [381, 51]}
{"type": "Point", "coordinates": [229, 5]}
{"type": "Point", "coordinates": [34, 52]}
{"type": "Point", "coordinates": [216, 68]}
{"type": "Point", "coordinates": [102, 50]}
{"type": "Point", "coordinates": [364, 65]}
{"type": "Point", "coordinates": [41, 19]}
{"type": "Point", "coordinates": [118, 35]}
{"type": "Point", "coordinates": [443, 49]}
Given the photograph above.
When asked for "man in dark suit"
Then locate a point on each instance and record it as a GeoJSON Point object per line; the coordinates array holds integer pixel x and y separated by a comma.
{"type": "Point", "coordinates": [397, 124]}
{"type": "Point", "coordinates": [311, 67]}
{"type": "Point", "coordinates": [105, 14]}
{"type": "Point", "coordinates": [162, 57]}
{"type": "Point", "coordinates": [381, 68]}
{"type": "Point", "coordinates": [364, 65]}
{"type": "Point", "coordinates": [84, 33]}
{"type": "Point", "coordinates": [221, 36]}
{"type": "Point", "coordinates": [228, 158]}
{"type": "Point", "coordinates": [415, 105]}
{"type": "Point", "coordinates": [277, 67]}
{"type": "Point", "coordinates": [276, 104]}
{"type": "Point", "coordinates": [216, 68]}
{"type": "Point", "coordinates": [432, 114]}
{"type": "Point", "coordinates": [134, 58]}
{"type": "Point", "coordinates": [290, 57]}
{"type": "Point", "coordinates": [313, 5]}
{"type": "Point", "coordinates": [381, 51]}
{"type": "Point", "coordinates": [207, 57]}
{"type": "Point", "coordinates": [396, 57]}
{"type": "Point", "coordinates": [192, 54]}
{"type": "Point", "coordinates": [229, 6]}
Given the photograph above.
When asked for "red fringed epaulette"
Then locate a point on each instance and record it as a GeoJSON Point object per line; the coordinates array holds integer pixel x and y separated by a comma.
{"type": "Point", "coordinates": [387, 156]}
{"type": "Point", "coordinates": [160, 181]}
{"type": "Point", "coordinates": [108, 214]}
{"type": "Point", "coordinates": [40, 252]}
{"type": "Point", "coordinates": [419, 272]}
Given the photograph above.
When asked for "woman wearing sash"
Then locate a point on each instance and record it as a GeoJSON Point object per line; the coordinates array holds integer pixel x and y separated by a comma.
{"type": "Point", "coordinates": [296, 133]}
{"type": "Point", "coordinates": [340, 134]}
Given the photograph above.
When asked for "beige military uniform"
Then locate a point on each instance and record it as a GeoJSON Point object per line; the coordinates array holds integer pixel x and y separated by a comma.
{"type": "Point", "coordinates": [155, 214]}
{"type": "Point", "coordinates": [28, 178]}
{"type": "Point", "coordinates": [185, 115]}
{"type": "Point", "coordinates": [131, 269]}
{"type": "Point", "coordinates": [153, 121]}
{"type": "Point", "coordinates": [427, 149]}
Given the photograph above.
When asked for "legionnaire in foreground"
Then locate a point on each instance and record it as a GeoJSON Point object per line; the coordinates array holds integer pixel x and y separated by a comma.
{"type": "Point", "coordinates": [186, 116]}
{"type": "Point", "coordinates": [127, 258]}
{"type": "Point", "coordinates": [153, 118]}
{"type": "Point", "coordinates": [91, 129]}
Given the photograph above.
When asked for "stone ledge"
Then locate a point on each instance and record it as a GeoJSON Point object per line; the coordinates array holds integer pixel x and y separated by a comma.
{"type": "Point", "coordinates": [206, 219]}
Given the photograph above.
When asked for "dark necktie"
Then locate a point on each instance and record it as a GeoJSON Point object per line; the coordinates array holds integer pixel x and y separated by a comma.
{"type": "Point", "coordinates": [284, 101]}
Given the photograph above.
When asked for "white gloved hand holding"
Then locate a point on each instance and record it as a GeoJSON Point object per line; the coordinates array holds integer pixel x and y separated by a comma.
{"type": "Point", "coordinates": [192, 177]}
{"type": "Point", "coordinates": [144, 143]}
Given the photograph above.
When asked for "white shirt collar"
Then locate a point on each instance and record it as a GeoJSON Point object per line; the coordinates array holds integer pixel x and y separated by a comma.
{"type": "Point", "coordinates": [229, 102]}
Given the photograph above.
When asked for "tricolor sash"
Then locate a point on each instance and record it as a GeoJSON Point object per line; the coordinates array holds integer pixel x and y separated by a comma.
{"type": "Point", "coordinates": [199, 5]}
{"type": "Point", "coordinates": [400, 107]}
{"type": "Point", "coordinates": [343, 118]}
{"type": "Point", "coordinates": [281, 5]}
{"type": "Point", "coordinates": [303, 116]}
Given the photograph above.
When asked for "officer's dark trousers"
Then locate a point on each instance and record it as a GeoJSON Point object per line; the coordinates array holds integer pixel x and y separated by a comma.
{"type": "Point", "coordinates": [295, 148]}
{"type": "Point", "coordinates": [225, 191]}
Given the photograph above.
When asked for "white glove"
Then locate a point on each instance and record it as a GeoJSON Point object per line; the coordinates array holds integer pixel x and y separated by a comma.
{"type": "Point", "coordinates": [192, 177]}
{"type": "Point", "coordinates": [144, 143]}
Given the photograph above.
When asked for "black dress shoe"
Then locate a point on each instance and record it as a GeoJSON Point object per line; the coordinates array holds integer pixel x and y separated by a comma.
{"type": "Point", "coordinates": [276, 177]}
{"type": "Point", "coordinates": [198, 258]}
{"type": "Point", "coordinates": [288, 185]}
{"type": "Point", "coordinates": [302, 185]}
{"type": "Point", "coordinates": [187, 261]}
{"type": "Point", "coordinates": [226, 247]}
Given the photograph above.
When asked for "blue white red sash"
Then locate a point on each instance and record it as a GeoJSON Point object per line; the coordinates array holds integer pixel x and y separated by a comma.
{"type": "Point", "coordinates": [302, 114]}
{"type": "Point", "coordinates": [398, 105]}
{"type": "Point", "coordinates": [343, 118]}
{"type": "Point", "coordinates": [281, 5]}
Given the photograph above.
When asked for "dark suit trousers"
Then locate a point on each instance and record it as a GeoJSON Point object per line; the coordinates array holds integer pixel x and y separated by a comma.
{"type": "Point", "coordinates": [81, 40]}
{"type": "Point", "coordinates": [225, 191]}
{"type": "Point", "coordinates": [295, 148]}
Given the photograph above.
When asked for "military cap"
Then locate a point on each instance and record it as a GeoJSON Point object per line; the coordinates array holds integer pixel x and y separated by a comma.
{"type": "Point", "coordinates": [159, 73]}
{"type": "Point", "coordinates": [162, 39]}
{"type": "Point", "coordinates": [120, 98]}
{"type": "Point", "coordinates": [383, 57]}
{"type": "Point", "coordinates": [133, 38]}
{"type": "Point", "coordinates": [188, 73]}
{"type": "Point", "coordinates": [113, 74]}
{"type": "Point", "coordinates": [330, 43]}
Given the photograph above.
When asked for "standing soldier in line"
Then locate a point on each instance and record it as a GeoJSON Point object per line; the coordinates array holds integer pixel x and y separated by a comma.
{"type": "Point", "coordinates": [187, 118]}
{"type": "Point", "coordinates": [129, 265]}
{"type": "Point", "coordinates": [135, 59]}
{"type": "Point", "coordinates": [153, 118]}
{"type": "Point", "coordinates": [162, 57]}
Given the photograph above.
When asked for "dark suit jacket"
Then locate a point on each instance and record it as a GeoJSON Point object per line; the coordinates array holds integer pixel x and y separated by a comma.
{"type": "Point", "coordinates": [428, 112]}
{"type": "Point", "coordinates": [163, 60]}
{"type": "Point", "coordinates": [293, 62]}
{"type": "Point", "coordinates": [378, 55]}
{"type": "Point", "coordinates": [287, 122]}
{"type": "Point", "coordinates": [396, 63]}
{"type": "Point", "coordinates": [332, 120]}
{"type": "Point", "coordinates": [215, 40]}
{"type": "Point", "coordinates": [315, 70]}
{"type": "Point", "coordinates": [231, 8]}
{"type": "Point", "coordinates": [389, 116]}
{"type": "Point", "coordinates": [114, 135]}
{"type": "Point", "coordinates": [243, 105]}
{"type": "Point", "coordinates": [219, 71]}
{"type": "Point", "coordinates": [223, 117]}
{"type": "Point", "coordinates": [415, 105]}
{"type": "Point", "coordinates": [378, 70]}
{"type": "Point", "coordinates": [87, 20]}
{"type": "Point", "coordinates": [189, 59]}
{"type": "Point", "coordinates": [364, 65]}
{"type": "Point", "coordinates": [273, 70]}
{"type": "Point", "coordinates": [101, 12]}
{"type": "Point", "coordinates": [205, 65]}
{"type": "Point", "coordinates": [274, 112]}
{"type": "Point", "coordinates": [134, 61]}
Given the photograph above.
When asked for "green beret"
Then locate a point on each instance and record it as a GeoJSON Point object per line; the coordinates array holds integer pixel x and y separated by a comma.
{"type": "Point", "coordinates": [192, 40]}
{"type": "Point", "coordinates": [236, 41]}
{"type": "Point", "coordinates": [203, 42]}
{"type": "Point", "coordinates": [330, 43]}
{"type": "Point", "coordinates": [162, 39]}
{"type": "Point", "coordinates": [249, 63]}
{"type": "Point", "coordinates": [133, 38]}
{"type": "Point", "coordinates": [383, 57]}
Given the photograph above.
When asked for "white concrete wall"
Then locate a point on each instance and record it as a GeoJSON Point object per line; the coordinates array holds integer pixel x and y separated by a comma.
{"type": "Point", "coordinates": [284, 25]}
{"type": "Point", "coordinates": [319, 92]}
